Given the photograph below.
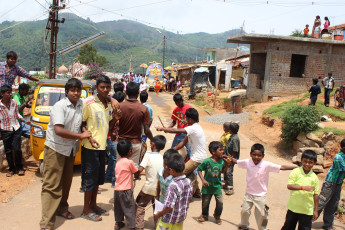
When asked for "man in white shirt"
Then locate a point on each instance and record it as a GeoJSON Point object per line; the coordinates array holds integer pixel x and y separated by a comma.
{"type": "Point", "coordinates": [328, 83]}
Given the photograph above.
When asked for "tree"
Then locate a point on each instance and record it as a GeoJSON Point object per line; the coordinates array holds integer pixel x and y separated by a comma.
{"type": "Point", "coordinates": [296, 33]}
{"type": "Point", "coordinates": [88, 54]}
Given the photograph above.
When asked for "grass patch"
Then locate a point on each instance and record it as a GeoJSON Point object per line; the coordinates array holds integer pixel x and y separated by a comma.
{"type": "Point", "coordinates": [330, 111]}
{"type": "Point", "coordinates": [279, 109]}
{"type": "Point", "coordinates": [225, 99]}
{"type": "Point", "coordinates": [334, 130]}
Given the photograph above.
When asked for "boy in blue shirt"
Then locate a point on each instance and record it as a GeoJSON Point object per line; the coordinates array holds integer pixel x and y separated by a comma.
{"type": "Point", "coordinates": [315, 89]}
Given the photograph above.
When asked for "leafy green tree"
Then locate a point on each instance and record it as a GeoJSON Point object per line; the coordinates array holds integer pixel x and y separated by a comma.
{"type": "Point", "coordinates": [299, 119]}
{"type": "Point", "coordinates": [88, 54]}
{"type": "Point", "coordinates": [297, 33]}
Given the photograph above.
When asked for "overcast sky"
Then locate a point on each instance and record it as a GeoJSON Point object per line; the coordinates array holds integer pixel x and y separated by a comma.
{"type": "Point", "coordinates": [188, 16]}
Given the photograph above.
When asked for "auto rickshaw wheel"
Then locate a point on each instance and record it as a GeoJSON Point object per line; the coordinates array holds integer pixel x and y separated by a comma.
{"type": "Point", "coordinates": [41, 167]}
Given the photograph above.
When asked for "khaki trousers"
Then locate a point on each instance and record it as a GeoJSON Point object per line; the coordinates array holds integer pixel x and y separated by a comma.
{"type": "Point", "coordinates": [261, 213]}
{"type": "Point", "coordinates": [190, 166]}
{"type": "Point", "coordinates": [57, 180]}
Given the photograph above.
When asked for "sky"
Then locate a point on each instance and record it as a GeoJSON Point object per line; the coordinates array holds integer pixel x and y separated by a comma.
{"type": "Point", "coordinates": [191, 16]}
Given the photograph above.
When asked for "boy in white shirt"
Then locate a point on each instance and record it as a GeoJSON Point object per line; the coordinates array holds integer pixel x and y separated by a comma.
{"type": "Point", "coordinates": [197, 142]}
{"type": "Point", "coordinates": [152, 162]}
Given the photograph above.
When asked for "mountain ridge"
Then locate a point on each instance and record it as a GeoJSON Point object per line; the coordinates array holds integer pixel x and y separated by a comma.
{"type": "Point", "coordinates": [124, 39]}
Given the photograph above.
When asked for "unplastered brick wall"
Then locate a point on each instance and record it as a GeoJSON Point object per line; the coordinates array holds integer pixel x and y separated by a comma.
{"type": "Point", "coordinates": [283, 86]}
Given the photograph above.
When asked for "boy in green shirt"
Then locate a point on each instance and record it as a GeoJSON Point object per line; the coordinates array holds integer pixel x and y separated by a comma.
{"type": "Point", "coordinates": [211, 181]}
{"type": "Point", "coordinates": [304, 200]}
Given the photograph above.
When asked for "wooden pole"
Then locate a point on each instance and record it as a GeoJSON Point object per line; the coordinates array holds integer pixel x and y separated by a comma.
{"type": "Point", "coordinates": [161, 121]}
{"type": "Point", "coordinates": [217, 82]}
{"type": "Point", "coordinates": [177, 117]}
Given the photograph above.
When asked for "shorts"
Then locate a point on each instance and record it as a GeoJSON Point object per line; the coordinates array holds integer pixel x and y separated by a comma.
{"type": "Point", "coordinates": [162, 225]}
{"type": "Point", "coordinates": [93, 168]}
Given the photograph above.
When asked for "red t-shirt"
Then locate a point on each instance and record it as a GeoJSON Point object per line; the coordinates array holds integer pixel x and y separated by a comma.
{"type": "Point", "coordinates": [180, 113]}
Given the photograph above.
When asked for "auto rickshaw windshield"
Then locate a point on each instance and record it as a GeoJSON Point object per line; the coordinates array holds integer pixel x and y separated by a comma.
{"type": "Point", "coordinates": [47, 96]}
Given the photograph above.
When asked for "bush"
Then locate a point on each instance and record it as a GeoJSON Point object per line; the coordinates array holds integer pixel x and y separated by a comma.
{"type": "Point", "coordinates": [94, 71]}
{"type": "Point", "coordinates": [299, 119]}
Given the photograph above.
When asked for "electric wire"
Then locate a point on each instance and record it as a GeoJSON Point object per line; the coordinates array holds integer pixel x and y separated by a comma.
{"type": "Point", "coordinates": [12, 8]}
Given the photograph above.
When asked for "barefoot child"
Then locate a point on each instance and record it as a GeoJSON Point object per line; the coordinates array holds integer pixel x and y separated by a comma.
{"type": "Point", "coordinates": [232, 149]}
{"type": "Point", "coordinates": [213, 167]}
{"type": "Point", "coordinates": [157, 86]}
{"type": "Point", "coordinates": [304, 200]}
{"type": "Point", "coordinates": [124, 204]}
{"type": "Point", "coordinates": [152, 162]}
{"type": "Point", "coordinates": [177, 197]}
{"type": "Point", "coordinates": [257, 182]}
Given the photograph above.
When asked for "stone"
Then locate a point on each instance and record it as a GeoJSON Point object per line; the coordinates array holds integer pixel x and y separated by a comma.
{"type": "Point", "coordinates": [317, 169]}
{"type": "Point", "coordinates": [321, 126]}
{"type": "Point", "coordinates": [307, 142]}
{"type": "Point", "coordinates": [299, 156]}
{"type": "Point", "coordinates": [268, 121]}
{"type": "Point", "coordinates": [296, 145]}
{"type": "Point", "coordinates": [319, 160]}
{"type": "Point", "coordinates": [294, 160]}
{"type": "Point", "coordinates": [327, 164]}
{"type": "Point", "coordinates": [314, 138]}
{"type": "Point", "coordinates": [329, 136]}
{"type": "Point", "coordinates": [319, 151]}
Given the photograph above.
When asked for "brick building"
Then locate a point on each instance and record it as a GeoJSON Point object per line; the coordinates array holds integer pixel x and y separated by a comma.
{"type": "Point", "coordinates": [277, 63]}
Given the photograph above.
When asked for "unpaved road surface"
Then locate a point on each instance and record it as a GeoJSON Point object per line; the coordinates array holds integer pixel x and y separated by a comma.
{"type": "Point", "coordinates": [24, 210]}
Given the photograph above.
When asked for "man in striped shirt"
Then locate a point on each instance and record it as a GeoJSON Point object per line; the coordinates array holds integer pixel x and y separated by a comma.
{"type": "Point", "coordinates": [331, 188]}
{"type": "Point", "coordinates": [9, 70]}
{"type": "Point", "coordinates": [10, 131]}
{"type": "Point", "coordinates": [177, 197]}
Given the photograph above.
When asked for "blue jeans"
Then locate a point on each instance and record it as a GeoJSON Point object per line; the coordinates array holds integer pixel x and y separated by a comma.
{"type": "Point", "coordinates": [25, 129]}
{"type": "Point", "coordinates": [111, 151]}
{"type": "Point", "coordinates": [179, 138]}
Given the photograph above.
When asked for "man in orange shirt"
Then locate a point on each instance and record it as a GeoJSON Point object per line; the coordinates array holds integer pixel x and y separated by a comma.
{"type": "Point", "coordinates": [306, 30]}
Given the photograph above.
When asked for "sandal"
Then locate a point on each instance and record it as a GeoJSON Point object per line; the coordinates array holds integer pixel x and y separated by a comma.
{"type": "Point", "coordinates": [91, 216]}
{"type": "Point", "coordinates": [21, 172]}
{"type": "Point", "coordinates": [9, 174]}
{"type": "Point", "coordinates": [102, 212]}
{"type": "Point", "coordinates": [218, 220]}
{"type": "Point", "coordinates": [202, 218]}
{"type": "Point", "coordinates": [119, 225]}
{"type": "Point", "coordinates": [67, 215]}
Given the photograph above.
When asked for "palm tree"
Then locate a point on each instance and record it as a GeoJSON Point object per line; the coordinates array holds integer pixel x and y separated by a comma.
{"type": "Point", "coordinates": [296, 33]}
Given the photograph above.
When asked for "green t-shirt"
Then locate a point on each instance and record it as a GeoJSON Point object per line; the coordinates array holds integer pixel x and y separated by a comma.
{"type": "Point", "coordinates": [213, 171]}
{"type": "Point", "coordinates": [302, 201]}
{"type": "Point", "coordinates": [20, 100]}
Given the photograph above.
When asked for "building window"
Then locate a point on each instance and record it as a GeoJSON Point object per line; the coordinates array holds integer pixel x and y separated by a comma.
{"type": "Point", "coordinates": [297, 65]}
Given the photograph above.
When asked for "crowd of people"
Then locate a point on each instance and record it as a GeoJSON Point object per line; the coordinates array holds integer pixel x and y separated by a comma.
{"type": "Point", "coordinates": [117, 125]}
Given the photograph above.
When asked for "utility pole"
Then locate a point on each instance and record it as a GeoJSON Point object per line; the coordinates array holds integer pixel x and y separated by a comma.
{"type": "Point", "coordinates": [164, 38]}
{"type": "Point", "coordinates": [53, 27]}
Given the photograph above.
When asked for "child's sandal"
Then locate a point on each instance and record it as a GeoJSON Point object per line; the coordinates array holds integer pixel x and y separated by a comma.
{"type": "Point", "coordinates": [202, 219]}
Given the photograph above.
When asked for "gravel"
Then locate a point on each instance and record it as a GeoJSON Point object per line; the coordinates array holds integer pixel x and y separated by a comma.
{"type": "Point", "coordinates": [221, 118]}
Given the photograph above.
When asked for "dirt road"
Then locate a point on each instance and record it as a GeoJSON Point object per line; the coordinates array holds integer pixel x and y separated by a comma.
{"type": "Point", "coordinates": [24, 210]}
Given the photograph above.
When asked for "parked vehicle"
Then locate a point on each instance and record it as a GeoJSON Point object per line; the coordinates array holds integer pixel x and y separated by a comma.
{"type": "Point", "coordinates": [46, 94]}
{"type": "Point", "coordinates": [154, 71]}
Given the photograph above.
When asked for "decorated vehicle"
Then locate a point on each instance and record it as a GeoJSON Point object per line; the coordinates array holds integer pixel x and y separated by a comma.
{"type": "Point", "coordinates": [154, 72]}
{"type": "Point", "coordinates": [46, 94]}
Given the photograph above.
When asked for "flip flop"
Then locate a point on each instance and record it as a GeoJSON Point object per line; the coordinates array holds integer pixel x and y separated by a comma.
{"type": "Point", "coordinates": [102, 212]}
{"type": "Point", "coordinates": [202, 218]}
{"type": "Point", "coordinates": [119, 225]}
{"type": "Point", "coordinates": [91, 216]}
{"type": "Point", "coordinates": [67, 215]}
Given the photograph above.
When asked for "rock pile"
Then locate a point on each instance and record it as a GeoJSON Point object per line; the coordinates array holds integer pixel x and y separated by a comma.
{"type": "Point", "coordinates": [322, 147]}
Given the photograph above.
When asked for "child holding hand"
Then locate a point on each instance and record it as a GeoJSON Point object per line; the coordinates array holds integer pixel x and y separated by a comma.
{"type": "Point", "coordinates": [213, 166]}
{"type": "Point", "coordinates": [124, 204]}
{"type": "Point", "coordinates": [257, 183]}
{"type": "Point", "coordinates": [304, 200]}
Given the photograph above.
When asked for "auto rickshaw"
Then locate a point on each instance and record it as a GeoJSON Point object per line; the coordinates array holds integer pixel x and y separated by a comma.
{"type": "Point", "coordinates": [46, 94]}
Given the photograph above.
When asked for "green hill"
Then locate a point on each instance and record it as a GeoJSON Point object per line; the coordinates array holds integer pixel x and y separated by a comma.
{"type": "Point", "coordinates": [123, 39]}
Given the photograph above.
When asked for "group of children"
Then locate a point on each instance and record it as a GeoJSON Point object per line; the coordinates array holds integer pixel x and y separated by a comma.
{"type": "Point", "coordinates": [166, 179]}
